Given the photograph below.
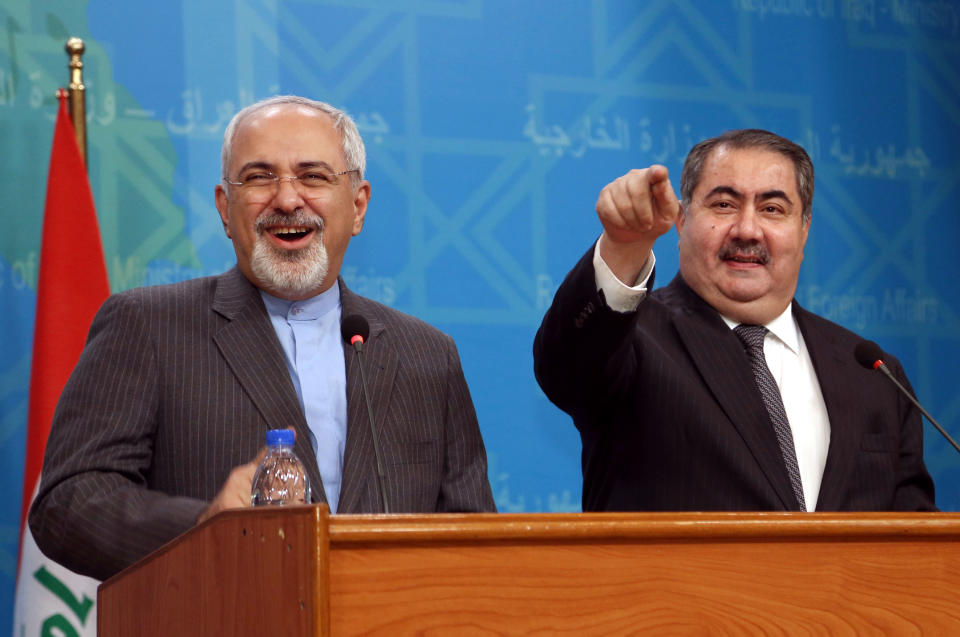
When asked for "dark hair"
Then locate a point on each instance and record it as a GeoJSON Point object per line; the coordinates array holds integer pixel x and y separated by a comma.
{"type": "Point", "coordinates": [750, 138]}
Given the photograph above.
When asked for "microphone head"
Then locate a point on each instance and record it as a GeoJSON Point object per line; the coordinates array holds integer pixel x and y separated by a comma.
{"type": "Point", "coordinates": [353, 326]}
{"type": "Point", "coordinates": [868, 353]}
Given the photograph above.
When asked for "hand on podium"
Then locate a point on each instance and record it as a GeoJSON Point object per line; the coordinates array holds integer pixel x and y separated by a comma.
{"type": "Point", "coordinates": [235, 492]}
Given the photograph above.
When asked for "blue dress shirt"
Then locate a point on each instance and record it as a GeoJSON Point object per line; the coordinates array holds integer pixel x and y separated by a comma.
{"type": "Point", "coordinates": [309, 332]}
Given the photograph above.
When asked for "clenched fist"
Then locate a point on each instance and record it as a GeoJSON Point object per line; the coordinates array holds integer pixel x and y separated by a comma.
{"type": "Point", "coordinates": [635, 210]}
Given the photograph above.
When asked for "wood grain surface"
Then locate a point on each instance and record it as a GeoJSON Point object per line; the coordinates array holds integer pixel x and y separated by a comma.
{"type": "Point", "coordinates": [299, 571]}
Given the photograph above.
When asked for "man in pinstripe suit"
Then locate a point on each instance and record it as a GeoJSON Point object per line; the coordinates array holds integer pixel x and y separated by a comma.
{"type": "Point", "coordinates": [160, 423]}
{"type": "Point", "coordinates": [672, 403]}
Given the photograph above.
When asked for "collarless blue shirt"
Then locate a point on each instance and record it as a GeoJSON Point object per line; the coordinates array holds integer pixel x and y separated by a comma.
{"type": "Point", "coordinates": [309, 333]}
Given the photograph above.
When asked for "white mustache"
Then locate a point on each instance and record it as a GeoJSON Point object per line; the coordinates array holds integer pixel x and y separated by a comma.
{"type": "Point", "coordinates": [299, 218]}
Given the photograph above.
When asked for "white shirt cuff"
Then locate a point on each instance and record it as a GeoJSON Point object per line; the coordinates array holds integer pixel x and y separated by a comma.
{"type": "Point", "coordinates": [621, 297]}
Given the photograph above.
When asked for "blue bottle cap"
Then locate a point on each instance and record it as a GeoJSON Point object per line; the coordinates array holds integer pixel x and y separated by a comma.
{"type": "Point", "coordinates": [280, 437]}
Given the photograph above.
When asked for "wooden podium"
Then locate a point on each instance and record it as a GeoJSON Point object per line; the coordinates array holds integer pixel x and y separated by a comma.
{"type": "Point", "coordinates": [299, 571]}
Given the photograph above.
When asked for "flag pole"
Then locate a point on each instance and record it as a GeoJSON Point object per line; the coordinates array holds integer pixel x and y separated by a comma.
{"type": "Point", "coordinates": [76, 92]}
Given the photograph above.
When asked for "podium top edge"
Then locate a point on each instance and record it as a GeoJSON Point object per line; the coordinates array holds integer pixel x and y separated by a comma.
{"type": "Point", "coordinates": [643, 527]}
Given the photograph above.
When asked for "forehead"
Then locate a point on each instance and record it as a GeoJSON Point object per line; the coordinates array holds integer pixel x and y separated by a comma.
{"type": "Point", "coordinates": [749, 171]}
{"type": "Point", "coordinates": [286, 133]}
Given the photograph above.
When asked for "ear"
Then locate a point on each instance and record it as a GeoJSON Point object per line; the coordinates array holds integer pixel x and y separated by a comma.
{"type": "Point", "coordinates": [361, 199]}
{"type": "Point", "coordinates": [220, 199]}
{"type": "Point", "coordinates": [805, 229]}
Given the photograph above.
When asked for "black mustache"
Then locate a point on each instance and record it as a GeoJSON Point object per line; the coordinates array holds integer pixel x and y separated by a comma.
{"type": "Point", "coordinates": [749, 249]}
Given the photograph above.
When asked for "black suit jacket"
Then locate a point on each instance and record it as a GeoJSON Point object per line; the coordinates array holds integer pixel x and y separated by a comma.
{"type": "Point", "coordinates": [671, 419]}
{"type": "Point", "coordinates": [177, 385]}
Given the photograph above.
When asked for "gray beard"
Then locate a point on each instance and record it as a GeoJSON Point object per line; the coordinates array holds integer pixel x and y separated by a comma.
{"type": "Point", "coordinates": [290, 273]}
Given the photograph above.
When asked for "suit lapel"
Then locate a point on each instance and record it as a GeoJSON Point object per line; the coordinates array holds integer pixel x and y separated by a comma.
{"type": "Point", "coordinates": [834, 375]}
{"type": "Point", "coordinates": [718, 355]}
{"type": "Point", "coordinates": [249, 345]}
{"type": "Point", "coordinates": [359, 491]}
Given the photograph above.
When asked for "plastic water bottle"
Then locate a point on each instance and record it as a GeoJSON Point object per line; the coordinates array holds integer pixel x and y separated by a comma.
{"type": "Point", "coordinates": [280, 478]}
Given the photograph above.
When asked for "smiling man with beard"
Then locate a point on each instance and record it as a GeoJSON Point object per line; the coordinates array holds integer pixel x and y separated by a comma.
{"type": "Point", "coordinates": [159, 424]}
{"type": "Point", "coordinates": [719, 391]}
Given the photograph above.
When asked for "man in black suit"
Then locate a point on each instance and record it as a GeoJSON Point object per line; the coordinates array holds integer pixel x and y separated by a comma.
{"type": "Point", "coordinates": [718, 391]}
{"type": "Point", "coordinates": [157, 426]}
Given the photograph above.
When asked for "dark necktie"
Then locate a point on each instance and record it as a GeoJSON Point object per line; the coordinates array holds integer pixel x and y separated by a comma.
{"type": "Point", "coordinates": [752, 337]}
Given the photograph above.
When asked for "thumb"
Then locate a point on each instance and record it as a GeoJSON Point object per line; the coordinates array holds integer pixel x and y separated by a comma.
{"type": "Point", "coordinates": [260, 456]}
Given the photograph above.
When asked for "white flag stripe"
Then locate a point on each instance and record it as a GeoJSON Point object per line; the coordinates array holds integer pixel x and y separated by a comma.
{"type": "Point", "coordinates": [50, 599]}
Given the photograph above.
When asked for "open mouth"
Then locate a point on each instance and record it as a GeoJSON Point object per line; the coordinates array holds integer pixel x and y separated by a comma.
{"type": "Point", "coordinates": [289, 234]}
{"type": "Point", "coordinates": [292, 231]}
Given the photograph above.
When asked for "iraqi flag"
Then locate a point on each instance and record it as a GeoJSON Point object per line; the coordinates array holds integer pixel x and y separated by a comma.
{"type": "Point", "coordinates": [72, 284]}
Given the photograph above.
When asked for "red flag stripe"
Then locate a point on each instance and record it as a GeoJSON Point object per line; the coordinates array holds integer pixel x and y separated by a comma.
{"type": "Point", "coordinates": [72, 284]}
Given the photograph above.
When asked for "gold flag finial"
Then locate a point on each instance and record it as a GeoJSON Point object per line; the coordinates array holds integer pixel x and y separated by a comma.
{"type": "Point", "coordinates": [76, 91]}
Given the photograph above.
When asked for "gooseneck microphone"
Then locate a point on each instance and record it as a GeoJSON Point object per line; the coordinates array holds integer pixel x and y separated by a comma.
{"type": "Point", "coordinates": [355, 329]}
{"type": "Point", "coordinates": [870, 356]}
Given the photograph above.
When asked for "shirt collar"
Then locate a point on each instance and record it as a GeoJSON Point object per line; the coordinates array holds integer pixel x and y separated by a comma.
{"type": "Point", "coordinates": [305, 310]}
{"type": "Point", "coordinates": [784, 328]}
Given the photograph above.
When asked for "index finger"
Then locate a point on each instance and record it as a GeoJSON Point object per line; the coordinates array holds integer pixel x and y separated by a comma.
{"type": "Point", "coordinates": [657, 173]}
{"type": "Point", "coordinates": [662, 189]}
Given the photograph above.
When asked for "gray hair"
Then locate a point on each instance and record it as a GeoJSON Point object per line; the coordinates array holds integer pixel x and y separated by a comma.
{"type": "Point", "coordinates": [351, 144]}
{"type": "Point", "coordinates": [750, 138]}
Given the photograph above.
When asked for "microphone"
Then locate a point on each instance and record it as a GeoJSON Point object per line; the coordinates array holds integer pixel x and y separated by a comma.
{"type": "Point", "coordinates": [870, 356]}
{"type": "Point", "coordinates": [355, 329]}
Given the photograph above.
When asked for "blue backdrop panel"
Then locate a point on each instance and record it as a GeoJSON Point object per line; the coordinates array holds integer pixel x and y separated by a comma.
{"type": "Point", "coordinates": [491, 126]}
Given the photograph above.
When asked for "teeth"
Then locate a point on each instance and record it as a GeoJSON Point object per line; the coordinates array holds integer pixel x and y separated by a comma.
{"type": "Point", "coordinates": [288, 230]}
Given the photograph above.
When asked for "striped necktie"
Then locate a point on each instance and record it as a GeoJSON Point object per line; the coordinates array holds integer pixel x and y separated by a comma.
{"type": "Point", "coordinates": [752, 337]}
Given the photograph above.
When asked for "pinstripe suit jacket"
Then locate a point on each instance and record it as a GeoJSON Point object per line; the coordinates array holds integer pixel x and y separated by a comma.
{"type": "Point", "coordinates": [177, 385]}
{"type": "Point", "coordinates": [671, 419]}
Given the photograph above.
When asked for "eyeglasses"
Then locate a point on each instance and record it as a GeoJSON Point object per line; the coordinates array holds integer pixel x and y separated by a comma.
{"type": "Point", "coordinates": [263, 186]}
